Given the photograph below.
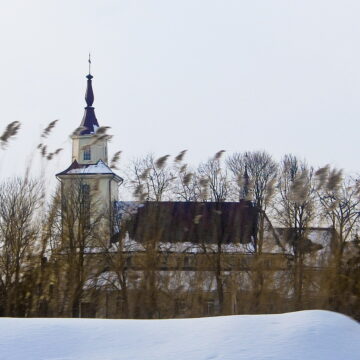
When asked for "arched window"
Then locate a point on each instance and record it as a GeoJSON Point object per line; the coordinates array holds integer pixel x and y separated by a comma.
{"type": "Point", "coordinates": [87, 153]}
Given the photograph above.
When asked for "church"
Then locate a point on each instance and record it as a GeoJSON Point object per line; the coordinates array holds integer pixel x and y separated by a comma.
{"type": "Point", "coordinates": [98, 184]}
{"type": "Point", "coordinates": [158, 259]}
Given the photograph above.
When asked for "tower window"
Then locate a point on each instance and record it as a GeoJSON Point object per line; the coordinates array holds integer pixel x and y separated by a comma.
{"type": "Point", "coordinates": [85, 196]}
{"type": "Point", "coordinates": [85, 204]}
{"type": "Point", "coordinates": [87, 153]}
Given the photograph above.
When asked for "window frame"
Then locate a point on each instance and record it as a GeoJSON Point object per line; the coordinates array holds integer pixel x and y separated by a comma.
{"type": "Point", "coordinates": [87, 153]}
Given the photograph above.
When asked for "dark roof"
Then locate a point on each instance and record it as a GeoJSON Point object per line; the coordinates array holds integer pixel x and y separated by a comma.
{"type": "Point", "coordinates": [89, 121]}
{"type": "Point", "coordinates": [74, 165]}
{"type": "Point", "coordinates": [193, 222]}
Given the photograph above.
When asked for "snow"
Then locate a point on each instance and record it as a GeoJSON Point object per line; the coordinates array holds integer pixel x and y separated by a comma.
{"type": "Point", "coordinates": [99, 168]}
{"type": "Point", "coordinates": [131, 245]}
{"type": "Point", "coordinates": [167, 280]}
{"type": "Point", "coordinates": [315, 335]}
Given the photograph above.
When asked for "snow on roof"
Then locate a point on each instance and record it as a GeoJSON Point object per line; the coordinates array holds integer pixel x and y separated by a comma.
{"type": "Point", "coordinates": [124, 209]}
{"type": "Point", "coordinates": [131, 245]}
{"type": "Point", "coordinates": [99, 168]}
{"type": "Point", "coordinates": [87, 169]}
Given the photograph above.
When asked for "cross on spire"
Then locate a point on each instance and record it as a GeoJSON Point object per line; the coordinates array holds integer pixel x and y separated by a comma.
{"type": "Point", "coordinates": [89, 64]}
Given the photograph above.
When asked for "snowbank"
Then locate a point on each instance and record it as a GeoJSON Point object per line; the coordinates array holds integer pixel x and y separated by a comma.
{"type": "Point", "coordinates": [302, 335]}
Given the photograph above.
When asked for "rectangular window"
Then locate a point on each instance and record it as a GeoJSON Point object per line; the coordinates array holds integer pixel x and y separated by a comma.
{"type": "Point", "coordinates": [85, 204]}
{"type": "Point", "coordinates": [87, 153]}
{"type": "Point", "coordinates": [85, 192]}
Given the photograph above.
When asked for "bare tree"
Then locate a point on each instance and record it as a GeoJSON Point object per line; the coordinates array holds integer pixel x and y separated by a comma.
{"type": "Point", "coordinates": [254, 174]}
{"type": "Point", "coordinates": [19, 201]}
{"type": "Point", "coordinates": [186, 186]}
{"type": "Point", "coordinates": [45, 270]}
{"type": "Point", "coordinates": [150, 178]}
{"type": "Point", "coordinates": [340, 205]}
{"type": "Point", "coordinates": [214, 179]}
{"type": "Point", "coordinates": [295, 210]}
{"type": "Point", "coordinates": [118, 260]}
{"type": "Point", "coordinates": [261, 170]}
{"type": "Point", "coordinates": [84, 222]}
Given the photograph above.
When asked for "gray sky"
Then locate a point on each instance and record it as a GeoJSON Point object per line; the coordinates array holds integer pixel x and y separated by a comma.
{"type": "Point", "coordinates": [169, 75]}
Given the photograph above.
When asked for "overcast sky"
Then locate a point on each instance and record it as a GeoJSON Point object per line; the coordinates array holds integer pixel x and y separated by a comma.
{"type": "Point", "coordinates": [202, 75]}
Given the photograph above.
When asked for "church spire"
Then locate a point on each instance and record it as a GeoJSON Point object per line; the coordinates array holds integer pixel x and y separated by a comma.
{"type": "Point", "coordinates": [89, 95]}
{"type": "Point", "coordinates": [89, 121]}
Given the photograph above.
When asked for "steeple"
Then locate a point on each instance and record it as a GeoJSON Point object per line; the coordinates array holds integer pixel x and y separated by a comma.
{"type": "Point", "coordinates": [89, 96]}
{"type": "Point", "coordinates": [246, 181]}
{"type": "Point", "coordinates": [89, 121]}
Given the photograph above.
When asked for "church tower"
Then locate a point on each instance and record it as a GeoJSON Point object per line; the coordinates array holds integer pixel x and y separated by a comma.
{"type": "Point", "coordinates": [88, 147]}
{"type": "Point", "coordinates": [89, 177]}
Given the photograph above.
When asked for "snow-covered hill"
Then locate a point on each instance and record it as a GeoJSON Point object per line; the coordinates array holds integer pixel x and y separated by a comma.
{"type": "Point", "coordinates": [302, 335]}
